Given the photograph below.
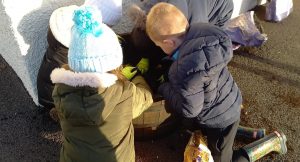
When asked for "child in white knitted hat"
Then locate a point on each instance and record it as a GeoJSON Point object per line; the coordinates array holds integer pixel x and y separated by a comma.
{"type": "Point", "coordinates": [94, 102]}
{"type": "Point", "coordinates": [59, 36]}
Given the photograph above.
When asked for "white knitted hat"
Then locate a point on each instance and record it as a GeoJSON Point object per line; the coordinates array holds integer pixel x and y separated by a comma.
{"type": "Point", "coordinates": [94, 46]}
{"type": "Point", "coordinates": [61, 19]}
{"type": "Point", "coordinates": [110, 9]}
{"type": "Point", "coordinates": [61, 23]}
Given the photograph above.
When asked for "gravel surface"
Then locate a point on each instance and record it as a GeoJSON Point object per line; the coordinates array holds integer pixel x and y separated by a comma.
{"type": "Point", "coordinates": [269, 78]}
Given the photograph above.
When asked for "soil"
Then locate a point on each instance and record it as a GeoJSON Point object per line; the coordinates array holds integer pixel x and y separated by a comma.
{"type": "Point", "coordinates": [268, 76]}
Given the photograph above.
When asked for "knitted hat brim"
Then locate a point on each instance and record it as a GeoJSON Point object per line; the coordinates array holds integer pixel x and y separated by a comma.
{"type": "Point", "coordinates": [61, 23]}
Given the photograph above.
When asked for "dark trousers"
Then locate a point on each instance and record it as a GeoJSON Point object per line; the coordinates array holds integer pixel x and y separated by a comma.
{"type": "Point", "coordinates": [220, 142]}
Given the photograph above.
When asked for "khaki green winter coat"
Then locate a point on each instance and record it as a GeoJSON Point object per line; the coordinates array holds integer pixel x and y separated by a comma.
{"type": "Point", "coordinates": [96, 113]}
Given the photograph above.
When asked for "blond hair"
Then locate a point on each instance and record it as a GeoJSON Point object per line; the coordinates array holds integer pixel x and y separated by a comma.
{"type": "Point", "coordinates": [165, 20]}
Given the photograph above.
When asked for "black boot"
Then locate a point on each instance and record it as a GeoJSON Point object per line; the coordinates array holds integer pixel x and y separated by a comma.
{"type": "Point", "coordinates": [251, 133]}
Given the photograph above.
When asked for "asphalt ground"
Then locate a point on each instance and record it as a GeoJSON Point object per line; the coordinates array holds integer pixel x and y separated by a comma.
{"type": "Point", "coordinates": [268, 76]}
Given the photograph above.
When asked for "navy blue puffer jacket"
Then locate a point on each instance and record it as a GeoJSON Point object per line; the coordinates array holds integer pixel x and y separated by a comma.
{"type": "Point", "coordinates": [200, 85]}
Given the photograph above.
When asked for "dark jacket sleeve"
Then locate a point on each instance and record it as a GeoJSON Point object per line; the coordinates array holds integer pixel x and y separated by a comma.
{"type": "Point", "coordinates": [181, 101]}
{"type": "Point", "coordinates": [185, 91]}
{"type": "Point", "coordinates": [180, 4]}
{"type": "Point", "coordinates": [55, 56]}
{"type": "Point", "coordinates": [216, 12]}
{"type": "Point", "coordinates": [220, 12]}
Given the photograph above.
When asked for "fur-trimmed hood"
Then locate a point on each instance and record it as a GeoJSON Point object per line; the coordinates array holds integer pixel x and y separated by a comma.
{"type": "Point", "coordinates": [77, 79]}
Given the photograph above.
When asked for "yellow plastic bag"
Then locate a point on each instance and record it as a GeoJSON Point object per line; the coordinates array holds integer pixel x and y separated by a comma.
{"type": "Point", "coordinates": [196, 150]}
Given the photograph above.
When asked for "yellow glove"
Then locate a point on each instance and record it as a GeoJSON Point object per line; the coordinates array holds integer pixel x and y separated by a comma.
{"type": "Point", "coordinates": [129, 72]}
{"type": "Point", "coordinates": [143, 65]}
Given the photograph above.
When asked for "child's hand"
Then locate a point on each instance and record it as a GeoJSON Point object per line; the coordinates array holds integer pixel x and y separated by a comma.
{"type": "Point", "coordinates": [129, 71]}
{"type": "Point", "coordinates": [163, 69]}
{"type": "Point", "coordinates": [143, 65]}
{"type": "Point", "coordinates": [161, 79]}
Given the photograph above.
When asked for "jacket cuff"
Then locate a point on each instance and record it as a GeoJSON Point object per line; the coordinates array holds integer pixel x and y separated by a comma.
{"type": "Point", "coordinates": [162, 88]}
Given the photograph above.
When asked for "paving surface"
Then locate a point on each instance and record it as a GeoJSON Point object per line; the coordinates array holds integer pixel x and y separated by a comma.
{"type": "Point", "coordinates": [269, 77]}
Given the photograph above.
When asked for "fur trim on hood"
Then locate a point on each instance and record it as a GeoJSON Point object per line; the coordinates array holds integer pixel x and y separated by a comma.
{"type": "Point", "coordinates": [75, 79]}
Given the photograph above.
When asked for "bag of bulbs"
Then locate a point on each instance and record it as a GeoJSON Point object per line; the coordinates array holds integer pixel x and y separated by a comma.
{"type": "Point", "coordinates": [196, 150]}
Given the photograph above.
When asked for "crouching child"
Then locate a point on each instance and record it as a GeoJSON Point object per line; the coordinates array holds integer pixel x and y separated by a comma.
{"type": "Point", "coordinates": [94, 101]}
{"type": "Point", "coordinates": [200, 86]}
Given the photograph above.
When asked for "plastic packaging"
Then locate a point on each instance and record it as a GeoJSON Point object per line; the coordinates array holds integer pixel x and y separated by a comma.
{"type": "Point", "coordinates": [196, 150]}
{"type": "Point", "coordinates": [242, 30]}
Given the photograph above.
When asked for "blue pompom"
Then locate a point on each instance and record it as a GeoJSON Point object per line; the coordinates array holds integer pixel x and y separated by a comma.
{"type": "Point", "coordinates": [87, 20]}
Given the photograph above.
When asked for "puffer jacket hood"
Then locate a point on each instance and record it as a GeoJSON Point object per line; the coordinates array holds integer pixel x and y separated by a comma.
{"type": "Point", "coordinates": [95, 80]}
{"type": "Point", "coordinates": [92, 82]}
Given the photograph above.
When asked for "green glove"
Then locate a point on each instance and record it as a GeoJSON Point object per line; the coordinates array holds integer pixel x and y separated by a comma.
{"type": "Point", "coordinates": [143, 65]}
{"type": "Point", "coordinates": [161, 79]}
{"type": "Point", "coordinates": [129, 72]}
